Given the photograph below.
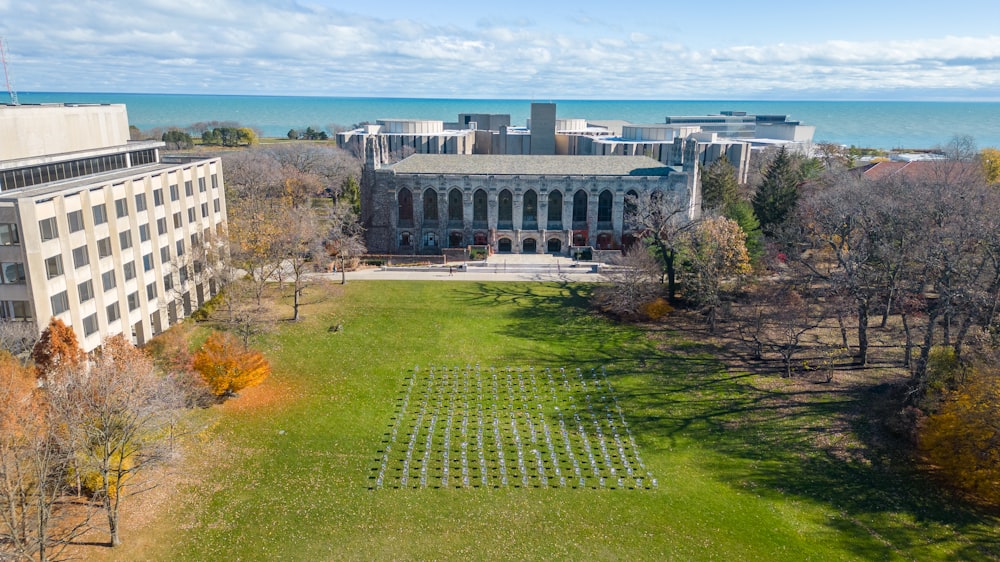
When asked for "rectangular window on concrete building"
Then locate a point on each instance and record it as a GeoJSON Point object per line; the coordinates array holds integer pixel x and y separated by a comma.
{"type": "Point", "coordinates": [140, 202]}
{"type": "Point", "coordinates": [8, 234]}
{"type": "Point", "coordinates": [201, 184]}
{"type": "Point", "coordinates": [178, 220]}
{"type": "Point", "coordinates": [108, 280]}
{"type": "Point", "coordinates": [143, 232]}
{"type": "Point", "coordinates": [175, 194]}
{"type": "Point", "coordinates": [180, 248]}
{"type": "Point", "coordinates": [48, 229]}
{"type": "Point", "coordinates": [121, 207]}
{"type": "Point", "coordinates": [100, 214]}
{"type": "Point", "coordinates": [168, 282]}
{"type": "Point", "coordinates": [113, 313]}
{"type": "Point", "coordinates": [217, 205]}
{"type": "Point", "coordinates": [215, 181]}
{"type": "Point", "coordinates": [90, 324]}
{"type": "Point", "coordinates": [161, 225]}
{"type": "Point", "coordinates": [188, 188]}
{"type": "Point", "coordinates": [191, 214]}
{"type": "Point", "coordinates": [158, 197]}
{"type": "Point", "coordinates": [147, 262]}
{"type": "Point", "coordinates": [151, 291]}
{"type": "Point", "coordinates": [53, 267]}
{"type": "Point", "coordinates": [60, 302]}
{"type": "Point", "coordinates": [80, 257]}
{"type": "Point", "coordinates": [15, 310]}
{"type": "Point", "coordinates": [75, 220]}
{"type": "Point", "coordinates": [128, 268]}
{"type": "Point", "coordinates": [104, 247]}
{"type": "Point", "coordinates": [12, 273]}
{"type": "Point", "coordinates": [133, 301]}
{"type": "Point", "coordinates": [86, 290]}
{"type": "Point", "coordinates": [204, 209]}
{"type": "Point", "coordinates": [125, 239]}
{"type": "Point", "coordinates": [165, 254]}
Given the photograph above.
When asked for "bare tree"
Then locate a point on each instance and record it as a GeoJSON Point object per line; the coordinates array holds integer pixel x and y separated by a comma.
{"type": "Point", "coordinates": [18, 337]}
{"type": "Point", "coordinates": [775, 321]}
{"type": "Point", "coordinates": [33, 469]}
{"type": "Point", "coordinates": [301, 246]}
{"type": "Point", "coordinates": [633, 281]}
{"type": "Point", "coordinates": [116, 413]}
{"type": "Point", "coordinates": [345, 237]}
{"type": "Point", "coordinates": [661, 221]}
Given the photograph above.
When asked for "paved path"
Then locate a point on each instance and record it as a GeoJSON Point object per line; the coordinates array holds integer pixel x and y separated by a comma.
{"type": "Point", "coordinates": [499, 267]}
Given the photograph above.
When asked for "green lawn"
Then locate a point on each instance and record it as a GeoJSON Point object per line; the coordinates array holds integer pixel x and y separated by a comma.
{"type": "Point", "coordinates": [743, 473]}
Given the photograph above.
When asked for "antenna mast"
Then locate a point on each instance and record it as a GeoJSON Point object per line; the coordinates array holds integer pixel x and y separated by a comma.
{"type": "Point", "coordinates": [6, 72]}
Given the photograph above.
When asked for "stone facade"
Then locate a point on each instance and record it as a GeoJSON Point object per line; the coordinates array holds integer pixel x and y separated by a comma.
{"type": "Point", "coordinates": [517, 204]}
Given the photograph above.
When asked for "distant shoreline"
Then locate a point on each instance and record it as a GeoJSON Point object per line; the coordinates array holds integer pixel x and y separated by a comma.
{"type": "Point", "coordinates": [883, 124]}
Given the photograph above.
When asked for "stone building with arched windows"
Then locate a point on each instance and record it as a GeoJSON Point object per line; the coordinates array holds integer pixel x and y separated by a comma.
{"type": "Point", "coordinates": [516, 204]}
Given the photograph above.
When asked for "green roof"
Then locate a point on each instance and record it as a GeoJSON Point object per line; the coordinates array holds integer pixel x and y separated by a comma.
{"type": "Point", "coordinates": [510, 165]}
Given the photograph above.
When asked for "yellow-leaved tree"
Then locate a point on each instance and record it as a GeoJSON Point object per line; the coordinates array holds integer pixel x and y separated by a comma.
{"type": "Point", "coordinates": [228, 366]}
{"type": "Point", "coordinates": [989, 158]}
{"type": "Point", "coordinates": [962, 438]}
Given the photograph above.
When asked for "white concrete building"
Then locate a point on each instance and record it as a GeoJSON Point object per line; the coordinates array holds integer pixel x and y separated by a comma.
{"type": "Point", "coordinates": [95, 229]}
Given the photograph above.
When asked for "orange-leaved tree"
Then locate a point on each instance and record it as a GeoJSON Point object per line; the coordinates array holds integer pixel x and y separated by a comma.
{"type": "Point", "coordinates": [228, 366]}
{"type": "Point", "coordinates": [32, 470]}
{"type": "Point", "coordinates": [57, 348]}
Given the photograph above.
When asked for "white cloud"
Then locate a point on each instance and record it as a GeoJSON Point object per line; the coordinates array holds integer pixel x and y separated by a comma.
{"type": "Point", "coordinates": [241, 46]}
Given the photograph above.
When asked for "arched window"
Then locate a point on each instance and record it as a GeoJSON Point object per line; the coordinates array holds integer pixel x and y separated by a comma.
{"type": "Point", "coordinates": [479, 206]}
{"type": "Point", "coordinates": [529, 209]}
{"type": "Point", "coordinates": [505, 214]}
{"type": "Point", "coordinates": [580, 206]}
{"type": "Point", "coordinates": [405, 199]}
{"type": "Point", "coordinates": [430, 205]}
{"type": "Point", "coordinates": [555, 209]}
{"type": "Point", "coordinates": [605, 202]}
{"type": "Point", "coordinates": [631, 206]}
{"type": "Point", "coordinates": [455, 211]}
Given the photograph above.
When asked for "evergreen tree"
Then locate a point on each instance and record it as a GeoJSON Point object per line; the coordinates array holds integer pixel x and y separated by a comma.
{"type": "Point", "coordinates": [718, 185]}
{"type": "Point", "coordinates": [742, 213]}
{"type": "Point", "coordinates": [778, 192]}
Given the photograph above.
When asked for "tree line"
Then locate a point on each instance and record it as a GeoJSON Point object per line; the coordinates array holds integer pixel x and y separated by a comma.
{"type": "Point", "coordinates": [815, 246]}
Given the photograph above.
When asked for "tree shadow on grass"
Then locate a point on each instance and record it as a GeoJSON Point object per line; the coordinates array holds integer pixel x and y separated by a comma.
{"type": "Point", "coordinates": [776, 441]}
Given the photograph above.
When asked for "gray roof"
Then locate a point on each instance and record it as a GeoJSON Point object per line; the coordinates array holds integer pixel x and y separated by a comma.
{"type": "Point", "coordinates": [509, 165]}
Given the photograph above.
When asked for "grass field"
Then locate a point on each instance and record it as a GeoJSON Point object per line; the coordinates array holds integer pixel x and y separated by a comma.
{"type": "Point", "coordinates": [749, 467]}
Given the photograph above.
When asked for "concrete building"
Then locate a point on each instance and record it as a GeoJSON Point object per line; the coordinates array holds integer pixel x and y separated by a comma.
{"type": "Point", "coordinates": [543, 129]}
{"type": "Point", "coordinates": [763, 130]}
{"type": "Point", "coordinates": [398, 138]}
{"type": "Point", "coordinates": [96, 229]}
{"type": "Point", "coordinates": [517, 204]}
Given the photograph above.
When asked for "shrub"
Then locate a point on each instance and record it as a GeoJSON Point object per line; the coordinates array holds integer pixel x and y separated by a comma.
{"type": "Point", "coordinates": [657, 309]}
{"type": "Point", "coordinates": [228, 366]}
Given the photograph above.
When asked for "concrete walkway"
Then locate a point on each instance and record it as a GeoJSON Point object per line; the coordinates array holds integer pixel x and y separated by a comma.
{"type": "Point", "coordinates": [498, 267]}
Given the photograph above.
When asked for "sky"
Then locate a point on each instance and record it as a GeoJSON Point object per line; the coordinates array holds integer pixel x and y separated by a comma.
{"type": "Point", "coordinates": [517, 49]}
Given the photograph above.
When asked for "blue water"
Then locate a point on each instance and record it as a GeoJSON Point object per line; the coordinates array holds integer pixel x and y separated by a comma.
{"type": "Point", "coordinates": [882, 124]}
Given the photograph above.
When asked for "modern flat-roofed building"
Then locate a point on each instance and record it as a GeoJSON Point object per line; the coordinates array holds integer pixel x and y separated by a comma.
{"type": "Point", "coordinates": [514, 204]}
{"type": "Point", "coordinates": [398, 138]}
{"type": "Point", "coordinates": [96, 229]}
{"type": "Point", "coordinates": [748, 127]}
